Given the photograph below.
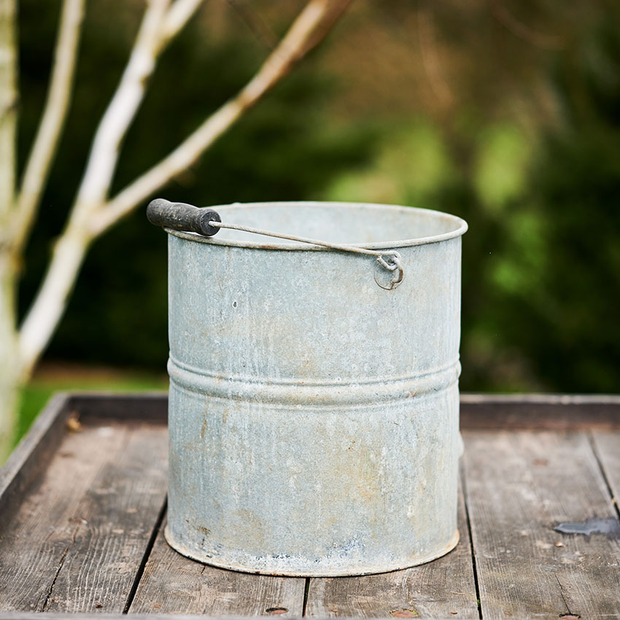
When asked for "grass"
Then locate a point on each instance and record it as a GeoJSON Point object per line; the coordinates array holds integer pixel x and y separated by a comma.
{"type": "Point", "coordinates": [56, 377]}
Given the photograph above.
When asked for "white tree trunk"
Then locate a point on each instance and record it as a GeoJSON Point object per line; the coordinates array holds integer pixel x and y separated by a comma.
{"type": "Point", "coordinates": [52, 299]}
{"type": "Point", "coordinates": [9, 384]}
{"type": "Point", "coordinates": [93, 212]}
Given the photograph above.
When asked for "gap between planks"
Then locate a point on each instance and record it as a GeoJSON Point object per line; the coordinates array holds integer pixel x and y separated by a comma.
{"type": "Point", "coordinates": [606, 448]}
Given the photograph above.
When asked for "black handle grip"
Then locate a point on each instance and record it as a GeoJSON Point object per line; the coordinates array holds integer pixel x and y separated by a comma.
{"type": "Point", "coordinates": [180, 216]}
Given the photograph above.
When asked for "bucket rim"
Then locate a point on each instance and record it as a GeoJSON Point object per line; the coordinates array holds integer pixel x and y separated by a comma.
{"type": "Point", "coordinates": [460, 223]}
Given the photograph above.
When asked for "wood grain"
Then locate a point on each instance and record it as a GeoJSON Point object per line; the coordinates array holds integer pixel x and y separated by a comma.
{"type": "Point", "coordinates": [519, 485]}
{"type": "Point", "coordinates": [79, 536]}
{"type": "Point", "coordinates": [173, 584]}
{"type": "Point", "coordinates": [441, 589]}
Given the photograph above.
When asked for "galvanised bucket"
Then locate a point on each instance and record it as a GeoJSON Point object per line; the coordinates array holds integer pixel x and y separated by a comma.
{"type": "Point", "coordinates": [314, 414]}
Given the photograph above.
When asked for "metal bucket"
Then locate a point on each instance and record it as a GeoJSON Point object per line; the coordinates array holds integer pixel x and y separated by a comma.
{"type": "Point", "coordinates": [314, 414]}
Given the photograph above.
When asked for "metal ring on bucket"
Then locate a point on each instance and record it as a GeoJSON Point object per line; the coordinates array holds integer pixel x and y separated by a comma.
{"type": "Point", "coordinates": [394, 267]}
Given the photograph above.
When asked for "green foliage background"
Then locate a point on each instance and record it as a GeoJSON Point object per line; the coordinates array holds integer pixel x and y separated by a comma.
{"type": "Point", "coordinates": [541, 261]}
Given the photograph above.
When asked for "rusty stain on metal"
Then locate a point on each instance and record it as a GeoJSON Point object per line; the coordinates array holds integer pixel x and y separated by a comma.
{"type": "Point", "coordinates": [314, 415]}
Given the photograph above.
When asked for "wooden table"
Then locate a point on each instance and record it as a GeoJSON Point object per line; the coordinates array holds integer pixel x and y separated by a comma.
{"type": "Point", "coordinates": [83, 504]}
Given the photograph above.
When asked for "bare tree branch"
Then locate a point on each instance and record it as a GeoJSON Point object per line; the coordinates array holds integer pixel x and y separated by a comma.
{"type": "Point", "coordinates": [52, 297]}
{"type": "Point", "coordinates": [69, 251]}
{"type": "Point", "coordinates": [91, 215]}
{"type": "Point", "coordinates": [178, 15]}
{"type": "Point", "coordinates": [160, 23]}
{"type": "Point", "coordinates": [123, 107]}
{"type": "Point", "coordinates": [56, 106]}
{"type": "Point", "coordinates": [306, 32]}
{"type": "Point", "coordinates": [331, 14]}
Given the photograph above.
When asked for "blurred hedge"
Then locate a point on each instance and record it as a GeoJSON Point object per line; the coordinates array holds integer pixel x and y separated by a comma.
{"type": "Point", "coordinates": [541, 260]}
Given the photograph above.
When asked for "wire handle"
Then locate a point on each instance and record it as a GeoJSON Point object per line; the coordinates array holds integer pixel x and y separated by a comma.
{"type": "Point", "coordinates": [207, 222]}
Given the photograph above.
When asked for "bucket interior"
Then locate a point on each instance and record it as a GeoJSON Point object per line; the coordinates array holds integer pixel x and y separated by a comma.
{"type": "Point", "coordinates": [336, 222]}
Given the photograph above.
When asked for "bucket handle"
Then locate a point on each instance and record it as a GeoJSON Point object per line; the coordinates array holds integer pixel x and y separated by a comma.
{"type": "Point", "coordinates": [207, 222]}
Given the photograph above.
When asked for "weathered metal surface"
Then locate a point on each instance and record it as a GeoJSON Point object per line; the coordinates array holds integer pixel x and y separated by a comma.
{"type": "Point", "coordinates": [314, 415]}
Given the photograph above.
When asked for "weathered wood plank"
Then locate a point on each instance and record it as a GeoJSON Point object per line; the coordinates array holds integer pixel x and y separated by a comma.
{"type": "Point", "coordinates": [33, 453]}
{"type": "Point", "coordinates": [520, 485]}
{"type": "Point", "coordinates": [607, 447]}
{"type": "Point", "coordinates": [98, 616]}
{"type": "Point", "coordinates": [142, 406]}
{"type": "Point", "coordinates": [118, 514]}
{"type": "Point", "coordinates": [441, 589]}
{"type": "Point", "coordinates": [173, 584]}
{"type": "Point", "coordinates": [33, 542]}
{"type": "Point", "coordinates": [79, 536]}
{"type": "Point", "coordinates": [540, 411]}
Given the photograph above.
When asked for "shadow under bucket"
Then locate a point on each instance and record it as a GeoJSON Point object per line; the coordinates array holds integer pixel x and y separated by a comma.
{"type": "Point", "coordinates": [313, 413]}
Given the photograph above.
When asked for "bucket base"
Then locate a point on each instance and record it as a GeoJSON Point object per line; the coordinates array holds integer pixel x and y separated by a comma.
{"type": "Point", "coordinates": [339, 572]}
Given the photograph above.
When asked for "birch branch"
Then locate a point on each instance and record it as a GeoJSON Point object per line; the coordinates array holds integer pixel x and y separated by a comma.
{"type": "Point", "coordinates": [123, 107]}
{"type": "Point", "coordinates": [51, 300]}
{"type": "Point", "coordinates": [54, 115]}
{"type": "Point", "coordinates": [309, 28]}
{"type": "Point", "coordinates": [90, 215]}
{"type": "Point", "coordinates": [178, 15]}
